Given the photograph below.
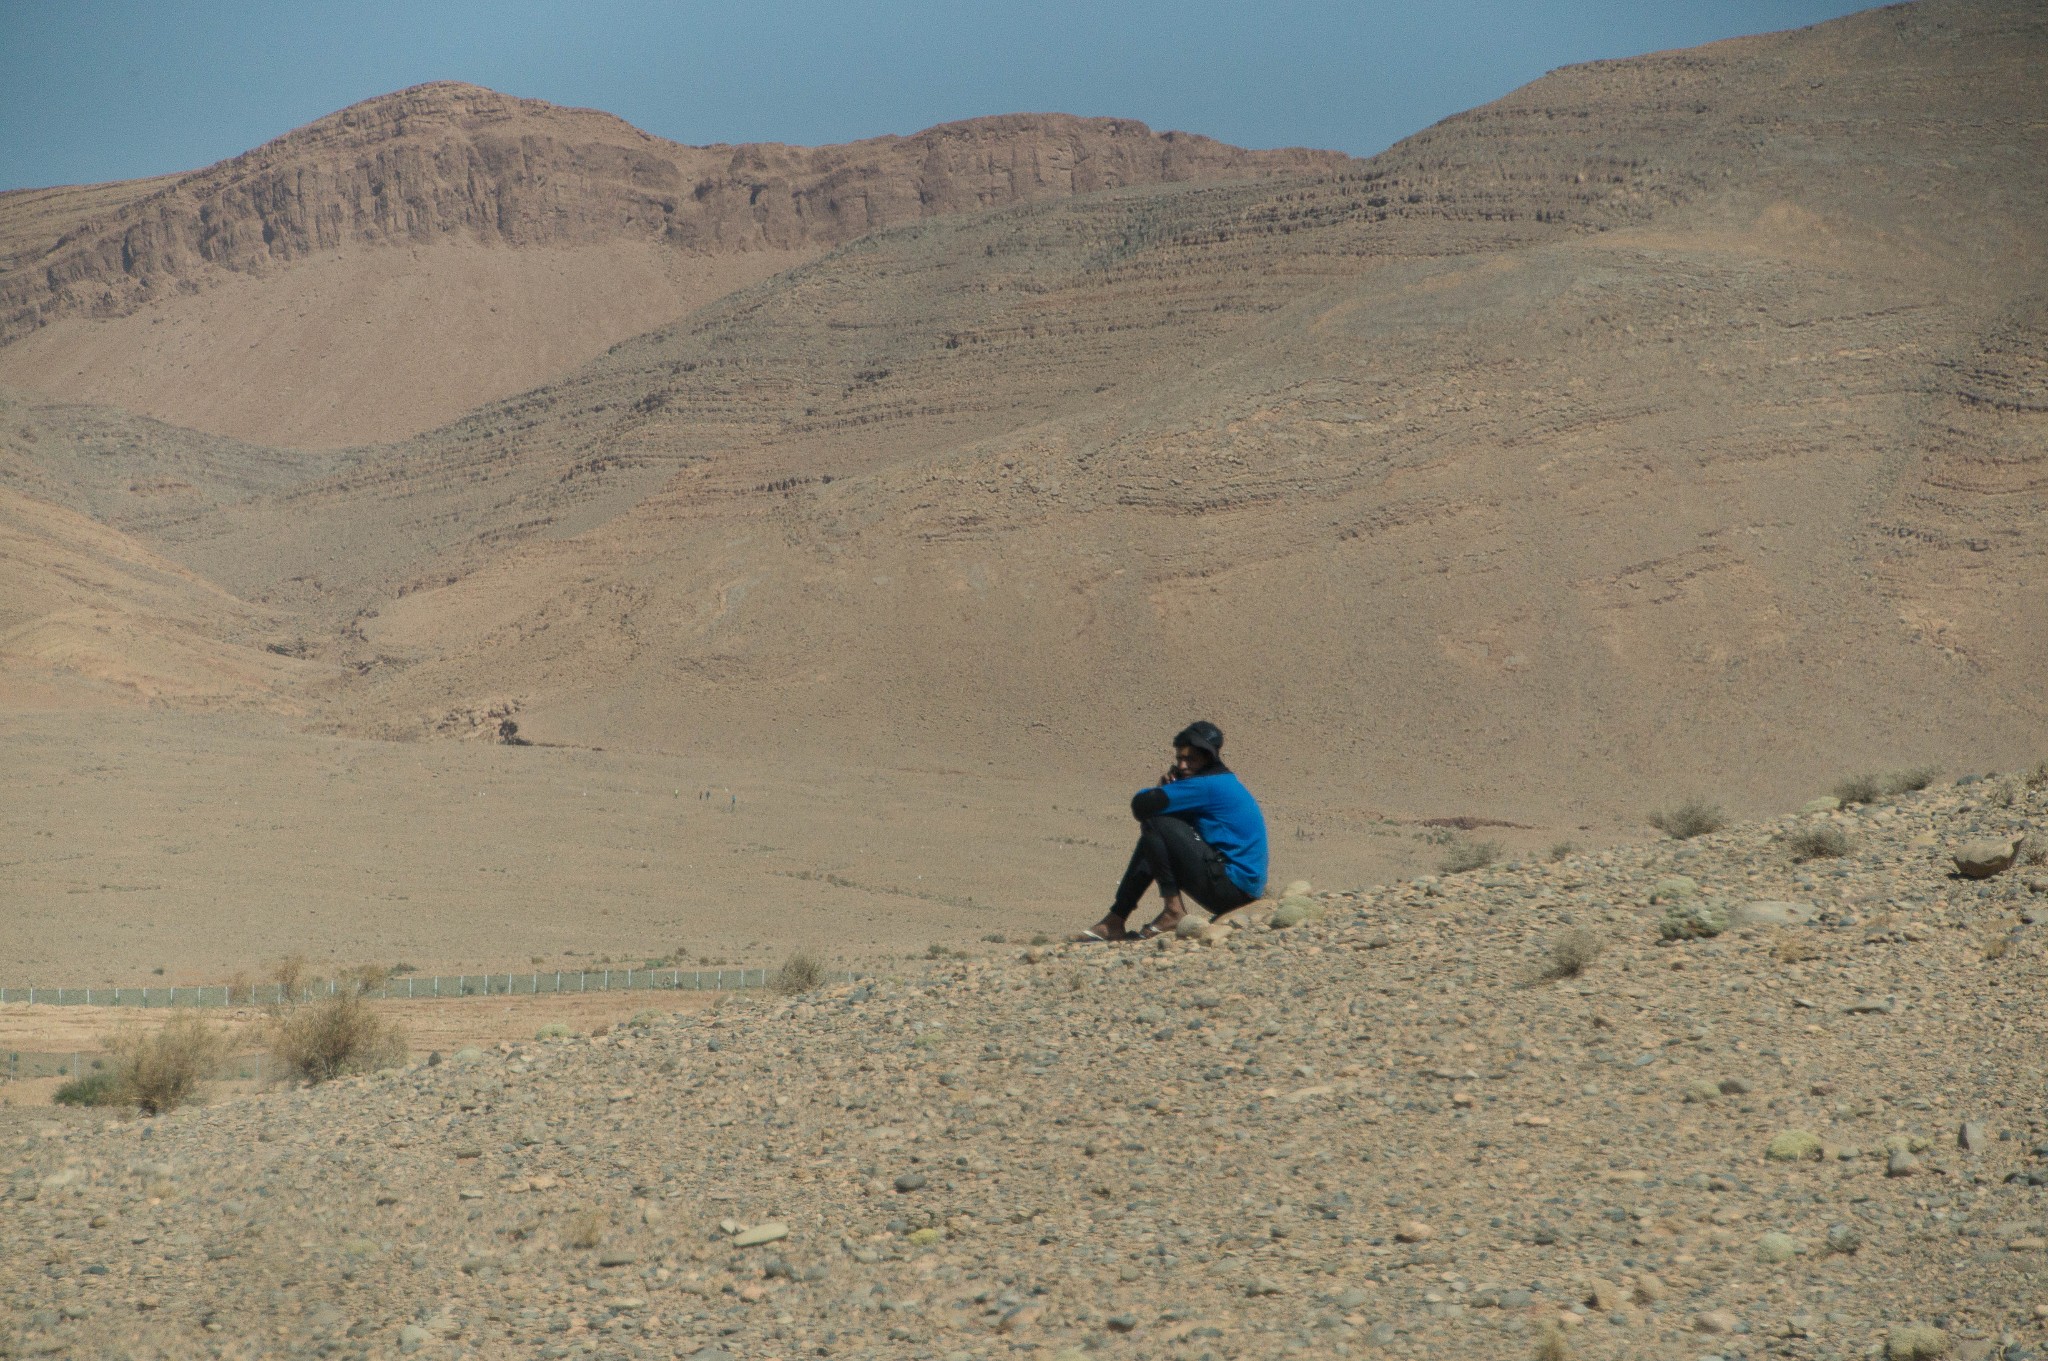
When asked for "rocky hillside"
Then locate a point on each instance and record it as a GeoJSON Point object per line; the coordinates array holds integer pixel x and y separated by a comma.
{"type": "Point", "coordinates": [449, 159]}
{"type": "Point", "coordinates": [1447, 1117]}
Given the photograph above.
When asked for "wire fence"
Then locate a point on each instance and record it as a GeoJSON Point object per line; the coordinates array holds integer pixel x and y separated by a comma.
{"type": "Point", "coordinates": [411, 987]}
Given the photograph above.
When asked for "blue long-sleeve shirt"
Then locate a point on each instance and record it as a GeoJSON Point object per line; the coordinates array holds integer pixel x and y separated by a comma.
{"type": "Point", "coordinates": [1223, 811]}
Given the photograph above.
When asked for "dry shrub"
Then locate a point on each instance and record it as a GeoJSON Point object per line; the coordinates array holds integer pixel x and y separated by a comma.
{"type": "Point", "coordinates": [2037, 778]}
{"type": "Point", "coordinates": [365, 978]}
{"type": "Point", "coordinates": [800, 973]}
{"type": "Point", "coordinates": [161, 1071]}
{"type": "Point", "coordinates": [2038, 855]}
{"type": "Point", "coordinates": [335, 1036]}
{"type": "Point", "coordinates": [1997, 945]}
{"type": "Point", "coordinates": [1859, 789]}
{"type": "Point", "coordinates": [290, 974]}
{"type": "Point", "coordinates": [1462, 856]}
{"type": "Point", "coordinates": [1563, 850]}
{"type": "Point", "coordinates": [1821, 841]}
{"type": "Point", "coordinates": [583, 1230]}
{"type": "Point", "coordinates": [1551, 1343]}
{"type": "Point", "coordinates": [1910, 781]}
{"type": "Point", "coordinates": [1694, 817]}
{"type": "Point", "coordinates": [1569, 955]}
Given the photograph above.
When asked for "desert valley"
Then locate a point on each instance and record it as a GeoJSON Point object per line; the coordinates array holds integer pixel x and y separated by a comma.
{"type": "Point", "coordinates": [467, 535]}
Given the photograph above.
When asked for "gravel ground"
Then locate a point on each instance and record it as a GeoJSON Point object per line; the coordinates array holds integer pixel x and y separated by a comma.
{"type": "Point", "coordinates": [1380, 1131]}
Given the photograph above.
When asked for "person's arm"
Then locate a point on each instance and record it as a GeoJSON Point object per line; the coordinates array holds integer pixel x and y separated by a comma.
{"type": "Point", "coordinates": [1185, 796]}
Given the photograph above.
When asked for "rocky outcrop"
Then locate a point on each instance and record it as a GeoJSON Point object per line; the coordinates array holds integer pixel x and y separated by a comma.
{"type": "Point", "coordinates": [446, 159]}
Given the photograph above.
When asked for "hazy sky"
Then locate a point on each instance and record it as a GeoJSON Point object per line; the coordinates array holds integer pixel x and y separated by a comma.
{"type": "Point", "coordinates": [111, 89]}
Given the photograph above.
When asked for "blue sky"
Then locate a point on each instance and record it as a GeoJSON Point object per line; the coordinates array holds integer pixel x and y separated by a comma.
{"type": "Point", "coordinates": [122, 88]}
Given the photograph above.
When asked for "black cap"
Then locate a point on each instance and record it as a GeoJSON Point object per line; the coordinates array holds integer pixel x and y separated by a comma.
{"type": "Point", "coordinates": [1203, 736]}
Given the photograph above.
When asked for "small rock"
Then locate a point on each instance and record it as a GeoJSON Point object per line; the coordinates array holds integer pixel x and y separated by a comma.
{"type": "Point", "coordinates": [1915, 1342]}
{"type": "Point", "coordinates": [1866, 1006]}
{"type": "Point", "coordinates": [1794, 1145]}
{"type": "Point", "coordinates": [412, 1337]}
{"type": "Point", "coordinates": [1297, 911]}
{"type": "Point", "coordinates": [1844, 1238]}
{"type": "Point", "coordinates": [1901, 1164]}
{"type": "Point", "coordinates": [1121, 1323]}
{"type": "Point", "coordinates": [1717, 1321]}
{"type": "Point", "coordinates": [1700, 1091]}
{"type": "Point", "coordinates": [1353, 1299]}
{"type": "Point", "coordinates": [1735, 1086]}
{"type": "Point", "coordinates": [760, 1234]}
{"type": "Point", "coordinates": [1971, 1137]}
{"type": "Point", "coordinates": [1262, 1285]}
{"type": "Point", "coordinates": [1774, 1248]}
{"type": "Point", "coordinates": [911, 1181]}
{"type": "Point", "coordinates": [1771, 912]}
{"type": "Point", "coordinates": [618, 1257]}
{"type": "Point", "coordinates": [1414, 1231]}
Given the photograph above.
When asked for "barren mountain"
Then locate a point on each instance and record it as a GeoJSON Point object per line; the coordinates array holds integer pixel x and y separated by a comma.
{"type": "Point", "coordinates": [1673, 422]}
{"type": "Point", "coordinates": [398, 262]}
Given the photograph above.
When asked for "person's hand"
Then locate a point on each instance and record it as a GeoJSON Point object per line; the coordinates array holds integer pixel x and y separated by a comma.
{"type": "Point", "coordinates": [1172, 774]}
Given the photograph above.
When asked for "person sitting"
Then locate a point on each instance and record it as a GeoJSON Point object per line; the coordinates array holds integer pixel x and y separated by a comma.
{"type": "Point", "coordinates": [1200, 835]}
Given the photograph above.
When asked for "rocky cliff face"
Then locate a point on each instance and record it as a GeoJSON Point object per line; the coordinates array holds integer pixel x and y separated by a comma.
{"type": "Point", "coordinates": [447, 159]}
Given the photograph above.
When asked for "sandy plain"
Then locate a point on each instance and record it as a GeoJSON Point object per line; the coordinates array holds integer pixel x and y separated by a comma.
{"type": "Point", "coordinates": [214, 845]}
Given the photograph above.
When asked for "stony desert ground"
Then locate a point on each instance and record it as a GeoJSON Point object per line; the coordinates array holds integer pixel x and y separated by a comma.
{"type": "Point", "coordinates": [1389, 1129]}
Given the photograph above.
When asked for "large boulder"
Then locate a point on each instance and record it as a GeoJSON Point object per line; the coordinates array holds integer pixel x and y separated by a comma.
{"type": "Point", "coordinates": [1982, 859]}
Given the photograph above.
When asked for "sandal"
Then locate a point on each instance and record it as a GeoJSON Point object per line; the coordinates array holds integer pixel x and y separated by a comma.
{"type": "Point", "coordinates": [1091, 937]}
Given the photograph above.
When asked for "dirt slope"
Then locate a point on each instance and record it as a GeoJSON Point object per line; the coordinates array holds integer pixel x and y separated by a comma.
{"type": "Point", "coordinates": [409, 257]}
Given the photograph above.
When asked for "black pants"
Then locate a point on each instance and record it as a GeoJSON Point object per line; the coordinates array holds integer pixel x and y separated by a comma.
{"type": "Point", "coordinates": [1173, 855]}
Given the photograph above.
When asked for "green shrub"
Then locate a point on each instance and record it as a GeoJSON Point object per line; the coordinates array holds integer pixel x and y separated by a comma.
{"type": "Point", "coordinates": [102, 1088]}
{"type": "Point", "coordinates": [1694, 817]}
{"type": "Point", "coordinates": [554, 1030]}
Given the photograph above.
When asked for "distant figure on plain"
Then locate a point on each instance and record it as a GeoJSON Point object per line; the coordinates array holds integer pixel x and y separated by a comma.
{"type": "Point", "coordinates": [1200, 835]}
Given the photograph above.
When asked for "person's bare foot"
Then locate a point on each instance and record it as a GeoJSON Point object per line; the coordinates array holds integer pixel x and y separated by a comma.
{"type": "Point", "coordinates": [1169, 917]}
{"type": "Point", "coordinates": [1109, 928]}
